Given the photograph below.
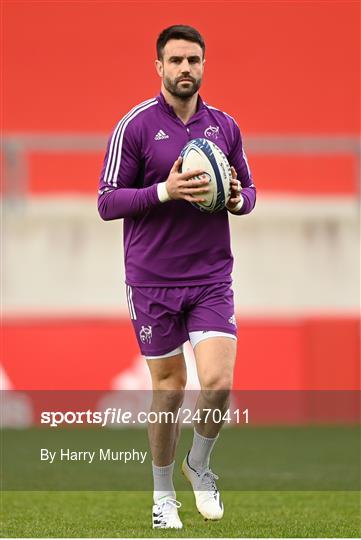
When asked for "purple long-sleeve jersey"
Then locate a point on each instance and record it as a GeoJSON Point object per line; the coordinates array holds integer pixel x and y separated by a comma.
{"type": "Point", "coordinates": [171, 243]}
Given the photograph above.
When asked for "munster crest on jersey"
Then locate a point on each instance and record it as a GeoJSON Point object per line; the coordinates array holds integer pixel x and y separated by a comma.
{"type": "Point", "coordinates": [211, 132]}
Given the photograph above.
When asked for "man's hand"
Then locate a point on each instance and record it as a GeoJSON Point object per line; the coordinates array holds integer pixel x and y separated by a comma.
{"type": "Point", "coordinates": [188, 186]}
{"type": "Point", "coordinates": [236, 200]}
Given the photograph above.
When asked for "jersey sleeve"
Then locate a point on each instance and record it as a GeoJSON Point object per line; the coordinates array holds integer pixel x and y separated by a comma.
{"type": "Point", "coordinates": [238, 159]}
{"type": "Point", "coordinates": [120, 194]}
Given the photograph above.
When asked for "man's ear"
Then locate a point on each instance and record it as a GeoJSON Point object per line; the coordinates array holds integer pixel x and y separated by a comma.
{"type": "Point", "coordinates": [159, 67]}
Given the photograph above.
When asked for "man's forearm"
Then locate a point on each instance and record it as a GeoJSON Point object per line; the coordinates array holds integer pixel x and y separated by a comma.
{"type": "Point", "coordinates": [127, 202]}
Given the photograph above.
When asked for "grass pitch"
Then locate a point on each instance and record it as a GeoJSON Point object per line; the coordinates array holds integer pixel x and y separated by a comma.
{"type": "Point", "coordinates": [254, 458]}
{"type": "Point", "coordinates": [119, 514]}
{"type": "Point", "coordinates": [279, 470]}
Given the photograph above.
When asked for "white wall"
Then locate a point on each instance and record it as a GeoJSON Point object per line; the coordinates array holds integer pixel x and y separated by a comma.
{"type": "Point", "coordinates": [292, 256]}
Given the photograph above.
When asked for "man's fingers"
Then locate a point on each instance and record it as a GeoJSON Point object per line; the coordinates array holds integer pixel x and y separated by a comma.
{"type": "Point", "coordinates": [236, 185]}
{"type": "Point", "coordinates": [176, 165]}
{"type": "Point", "coordinates": [193, 199]}
{"type": "Point", "coordinates": [190, 174]}
{"type": "Point", "coordinates": [234, 200]}
{"type": "Point", "coordinates": [234, 173]}
{"type": "Point", "coordinates": [194, 182]}
{"type": "Point", "coordinates": [188, 191]}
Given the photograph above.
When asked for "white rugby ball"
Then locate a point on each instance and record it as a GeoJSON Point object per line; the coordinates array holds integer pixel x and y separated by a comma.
{"type": "Point", "coordinates": [205, 155]}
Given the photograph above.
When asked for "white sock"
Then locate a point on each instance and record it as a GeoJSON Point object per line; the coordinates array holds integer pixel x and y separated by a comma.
{"type": "Point", "coordinates": [163, 482]}
{"type": "Point", "coordinates": [201, 451]}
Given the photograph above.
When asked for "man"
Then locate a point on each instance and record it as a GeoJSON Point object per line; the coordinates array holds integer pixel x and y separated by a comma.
{"type": "Point", "coordinates": [178, 260]}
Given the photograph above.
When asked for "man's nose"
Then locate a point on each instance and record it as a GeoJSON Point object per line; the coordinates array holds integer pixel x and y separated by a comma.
{"type": "Point", "coordinates": [185, 66]}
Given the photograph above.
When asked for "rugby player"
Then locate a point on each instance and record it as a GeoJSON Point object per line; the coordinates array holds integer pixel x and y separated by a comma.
{"type": "Point", "coordinates": [178, 260]}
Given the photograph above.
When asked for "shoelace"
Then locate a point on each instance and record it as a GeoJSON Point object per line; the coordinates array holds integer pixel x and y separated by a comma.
{"type": "Point", "coordinates": [166, 507]}
{"type": "Point", "coordinates": [208, 479]}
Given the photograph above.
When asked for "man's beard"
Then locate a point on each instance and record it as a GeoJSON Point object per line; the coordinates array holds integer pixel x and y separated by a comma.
{"type": "Point", "coordinates": [183, 93]}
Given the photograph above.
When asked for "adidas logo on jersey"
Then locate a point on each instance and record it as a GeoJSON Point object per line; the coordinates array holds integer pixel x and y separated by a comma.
{"type": "Point", "coordinates": [161, 135]}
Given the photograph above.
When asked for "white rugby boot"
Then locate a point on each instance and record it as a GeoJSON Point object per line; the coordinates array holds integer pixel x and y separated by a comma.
{"type": "Point", "coordinates": [208, 498]}
{"type": "Point", "coordinates": [165, 514]}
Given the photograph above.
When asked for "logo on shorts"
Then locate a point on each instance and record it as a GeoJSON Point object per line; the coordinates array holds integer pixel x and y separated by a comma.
{"type": "Point", "coordinates": [211, 132]}
{"type": "Point", "coordinates": [145, 334]}
{"type": "Point", "coordinates": [232, 320]}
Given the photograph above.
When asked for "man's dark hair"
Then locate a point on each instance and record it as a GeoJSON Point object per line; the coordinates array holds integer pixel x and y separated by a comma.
{"type": "Point", "coordinates": [179, 31]}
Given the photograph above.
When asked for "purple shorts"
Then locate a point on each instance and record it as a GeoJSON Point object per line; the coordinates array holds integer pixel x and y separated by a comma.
{"type": "Point", "coordinates": [163, 316]}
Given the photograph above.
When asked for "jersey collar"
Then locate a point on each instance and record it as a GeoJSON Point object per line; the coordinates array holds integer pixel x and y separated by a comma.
{"type": "Point", "coordinates": [169, 109]}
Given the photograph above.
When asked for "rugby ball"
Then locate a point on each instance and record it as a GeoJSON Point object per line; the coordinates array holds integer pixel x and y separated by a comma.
{"type": "Point", "coordinates": [205, 155]}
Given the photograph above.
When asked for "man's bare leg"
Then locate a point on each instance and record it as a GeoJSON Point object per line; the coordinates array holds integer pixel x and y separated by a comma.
{"type": "Point", "coordinates": [168, 381]}
{"type": "Point", "coordinates": [215, 359]}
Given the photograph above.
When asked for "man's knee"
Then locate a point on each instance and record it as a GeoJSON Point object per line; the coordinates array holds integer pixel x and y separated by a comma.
{"type": "Point", "coordinates": [169, 379]}
{"type": "Point", "coordinates": [168, 373]}
{"type": "Point", "coordinates": [220, 382]}
{"type": "Point", "coordinates": [216, 389]}
{"type": "Point", "coordinates": [169, 389]}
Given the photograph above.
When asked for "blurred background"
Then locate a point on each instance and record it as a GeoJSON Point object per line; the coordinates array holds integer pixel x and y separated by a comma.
{"type": "Point", "coordinates": [289, 72]}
